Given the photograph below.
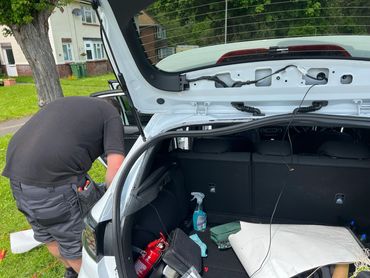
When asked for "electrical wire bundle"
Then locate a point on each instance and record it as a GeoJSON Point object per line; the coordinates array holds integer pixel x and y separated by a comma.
{"type": "Point", "coordinates": [217, 80]}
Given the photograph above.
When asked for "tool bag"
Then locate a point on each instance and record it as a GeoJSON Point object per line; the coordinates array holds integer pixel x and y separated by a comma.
{"type": "Point", "coordinates": [89, 193]}
{"type": "Point", "coordinates": [182, 253]}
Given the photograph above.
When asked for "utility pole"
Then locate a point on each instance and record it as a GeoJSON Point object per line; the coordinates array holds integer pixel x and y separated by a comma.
{"type": "Point", "coordinates": [226, 21]}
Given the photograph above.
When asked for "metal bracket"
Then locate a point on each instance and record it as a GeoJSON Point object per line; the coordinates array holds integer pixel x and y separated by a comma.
{"type": "Point", "coordinates": [201, 108]}
{"type": "Point", "coordinates": [363, 108]}
{"type": "Point", "coordinates": [183, 82]}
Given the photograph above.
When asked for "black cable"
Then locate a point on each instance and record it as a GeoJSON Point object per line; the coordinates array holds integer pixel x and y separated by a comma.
{"type": "Point", "coordinates": [160, 220]}
{"type": "Point", "coordinates": [249, 82]}
{"type": "Point", "coordinates": [318, 79]}
{"type": "Point", "coordinates": [158, 215]}
{"type": "Point", "coordinates": [270, 232]}
{"type": "Point", "coordinates": [214, 78]}
{"type": "Point", "coordinates": [290, 169]}
{"type": "Point", "coordinates": [295, 111]}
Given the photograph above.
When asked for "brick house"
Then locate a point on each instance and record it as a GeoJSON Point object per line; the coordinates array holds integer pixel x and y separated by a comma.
{"type": "Point", "coordinates": [75, 37]}
{"type": "Point", "coordinates": [153, 37]}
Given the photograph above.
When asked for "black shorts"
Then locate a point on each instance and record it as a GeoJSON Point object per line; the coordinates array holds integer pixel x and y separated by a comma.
{"type": "Point", "coordinates": [54, 214]}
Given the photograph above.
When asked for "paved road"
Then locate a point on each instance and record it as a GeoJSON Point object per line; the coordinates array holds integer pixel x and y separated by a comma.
{"type": "Point", "coordinates": [12, 126]}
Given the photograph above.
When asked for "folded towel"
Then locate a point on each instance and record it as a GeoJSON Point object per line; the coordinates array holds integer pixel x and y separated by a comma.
{"type": "Point", "coordinates": [220, 234]}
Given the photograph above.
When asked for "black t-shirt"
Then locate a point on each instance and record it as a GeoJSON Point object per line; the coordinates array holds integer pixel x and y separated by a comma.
{"type": "Point", "coordinates": [59, 143]}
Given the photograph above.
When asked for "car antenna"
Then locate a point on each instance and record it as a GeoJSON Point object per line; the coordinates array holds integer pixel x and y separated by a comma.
{"type": "Point", "coordinates": [119, 76]}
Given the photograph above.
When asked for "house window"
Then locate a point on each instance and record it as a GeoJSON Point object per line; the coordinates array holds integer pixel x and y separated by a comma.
{"type": "Point", "coordinates": [88, 15]}
{"type": "Point", "coordinates": [94, 50]}
{"type": "Point", "coordinates": [67, 52]}
{"type": "Point", "coordinates": [10, 56]}
{"type": "Point", "coordinates": [161, 33]}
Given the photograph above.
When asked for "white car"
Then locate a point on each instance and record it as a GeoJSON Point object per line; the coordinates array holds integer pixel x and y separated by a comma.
{"type": "Point", "coordinates": [270, 124]}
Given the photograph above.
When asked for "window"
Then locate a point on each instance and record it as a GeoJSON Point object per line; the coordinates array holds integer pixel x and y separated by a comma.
{"type": "Point", "coordinates": [94, 50]}
{"type": "Point", "coordinates": [161, 33]}
{"type": "Point", "coordinates": [67, 52]}
{"type": "Point", "coordinates": [10, 56]}
{"type": "Point", "coordinates": [164, 52]}
{"type": "Point", "coordinates": [88, 15]}
{"type": "Point", "coordinates": [250, 25]}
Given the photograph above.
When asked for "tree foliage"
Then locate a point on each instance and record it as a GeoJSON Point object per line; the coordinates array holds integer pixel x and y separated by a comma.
{"type": "Point", "coordinates": [20, 12]}
{"type": "Point", "coordinates": [27, 20]}
{"type": "Point", "coordinates": [202, 22]}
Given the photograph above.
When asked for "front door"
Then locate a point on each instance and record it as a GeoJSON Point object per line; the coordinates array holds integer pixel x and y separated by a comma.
{"type": "Point", "coordinates": [11, 68]}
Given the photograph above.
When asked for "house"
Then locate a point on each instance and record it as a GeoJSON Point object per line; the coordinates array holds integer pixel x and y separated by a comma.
{"type": "Point", "coordinates": [153, 38]}
{"type": "Point", "coordinates": [74, 34]}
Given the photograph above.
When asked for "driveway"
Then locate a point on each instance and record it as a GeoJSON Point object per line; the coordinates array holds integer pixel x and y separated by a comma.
{"type": "Point", "coordinates": [12, 126]}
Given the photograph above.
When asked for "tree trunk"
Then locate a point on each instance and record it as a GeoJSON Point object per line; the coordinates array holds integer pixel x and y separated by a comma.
{"type": "Point", "coordinates": [34, 41]}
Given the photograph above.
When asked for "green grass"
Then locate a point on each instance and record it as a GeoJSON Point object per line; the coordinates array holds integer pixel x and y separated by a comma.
{"type": "Point", "coordinates": [37, 261]}
{"type": "Point", "coordinates": [24, 79]}
{"type": "Point", "coordinates": [16, 102]}
{"type": "Point", "coordinates": [21, 100]}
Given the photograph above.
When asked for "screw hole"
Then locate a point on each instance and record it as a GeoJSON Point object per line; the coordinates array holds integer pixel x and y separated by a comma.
{"type": "Point", "coordinates": [160, 100]}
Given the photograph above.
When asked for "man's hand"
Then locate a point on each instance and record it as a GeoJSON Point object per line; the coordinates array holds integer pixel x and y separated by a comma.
{"type": "Point", "coordinates": [114, 161]}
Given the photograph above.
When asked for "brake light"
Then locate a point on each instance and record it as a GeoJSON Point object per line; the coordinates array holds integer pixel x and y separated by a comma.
{"type": "Point", "coordinates": [233, 55]}
{"type": "Point", "coordinates": [89, 241]}
{"type": "Point", "coordinates": [330, 50]}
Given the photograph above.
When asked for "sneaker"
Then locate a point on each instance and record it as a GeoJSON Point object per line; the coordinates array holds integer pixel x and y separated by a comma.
{"type": "Point", "coordinates": [70, 273]}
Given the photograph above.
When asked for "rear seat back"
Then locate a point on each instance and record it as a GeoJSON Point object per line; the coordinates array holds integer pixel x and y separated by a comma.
{"type": "Point", "coordinates": [315, 184]}
{"type": "Point", "coordinates": [204, 171]}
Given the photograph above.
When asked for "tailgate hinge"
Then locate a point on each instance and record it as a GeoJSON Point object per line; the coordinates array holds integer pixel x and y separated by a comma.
{"type": "Point", "coordinates": [201, 108]}
{"type": "Point", "coordinates": [363, 108]}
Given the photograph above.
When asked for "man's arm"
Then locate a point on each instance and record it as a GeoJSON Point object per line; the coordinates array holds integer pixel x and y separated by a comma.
{"type": "Point", "coordinates": [114, 161]}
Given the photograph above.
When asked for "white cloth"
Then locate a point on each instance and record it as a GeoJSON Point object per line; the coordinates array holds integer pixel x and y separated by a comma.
{"type": "Point", "coordinates": [23, 241]}
{"type": "Point", "coordinates": [294, 248]}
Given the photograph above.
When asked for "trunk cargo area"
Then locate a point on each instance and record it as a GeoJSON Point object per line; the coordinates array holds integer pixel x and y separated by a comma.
{"type": "Point", "coordinates": [325, 176]}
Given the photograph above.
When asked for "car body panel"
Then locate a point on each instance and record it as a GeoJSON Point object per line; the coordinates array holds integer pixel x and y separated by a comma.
{"type": "Point", "coordinates": [287, 86]}
{"type": "Point", "coordinates": [104, 268]}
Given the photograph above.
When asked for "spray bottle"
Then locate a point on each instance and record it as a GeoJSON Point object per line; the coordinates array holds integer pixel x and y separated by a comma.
{"type": "Point", "coordinates": [199, 216]}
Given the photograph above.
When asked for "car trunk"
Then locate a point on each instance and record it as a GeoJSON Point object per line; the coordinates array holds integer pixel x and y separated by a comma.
{"type": "Point", "coordinates": [322, 173]}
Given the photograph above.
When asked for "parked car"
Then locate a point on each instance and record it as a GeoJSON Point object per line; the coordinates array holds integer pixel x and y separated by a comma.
{"type": "Point", "coordinates": [269, 121]}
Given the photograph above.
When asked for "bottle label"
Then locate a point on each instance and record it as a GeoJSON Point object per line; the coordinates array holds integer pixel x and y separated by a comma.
{"type": "Point", "coordinates": [201, 222]}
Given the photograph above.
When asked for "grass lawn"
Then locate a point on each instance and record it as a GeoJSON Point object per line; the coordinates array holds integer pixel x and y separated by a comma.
{"type": "Point", "coordinates": [16, 102]}
{"type": "Point", "coordinates": [21, 100]}
{"type": "Point", "coordinates": [38, 261]}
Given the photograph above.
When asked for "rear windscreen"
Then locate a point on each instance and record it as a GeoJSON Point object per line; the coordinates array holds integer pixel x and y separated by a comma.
{"type": "Point", "coordinates": [187, 34]}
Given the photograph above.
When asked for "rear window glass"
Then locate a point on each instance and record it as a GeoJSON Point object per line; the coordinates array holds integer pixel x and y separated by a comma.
{"type": "Point", "coordinates": [178, 35]}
